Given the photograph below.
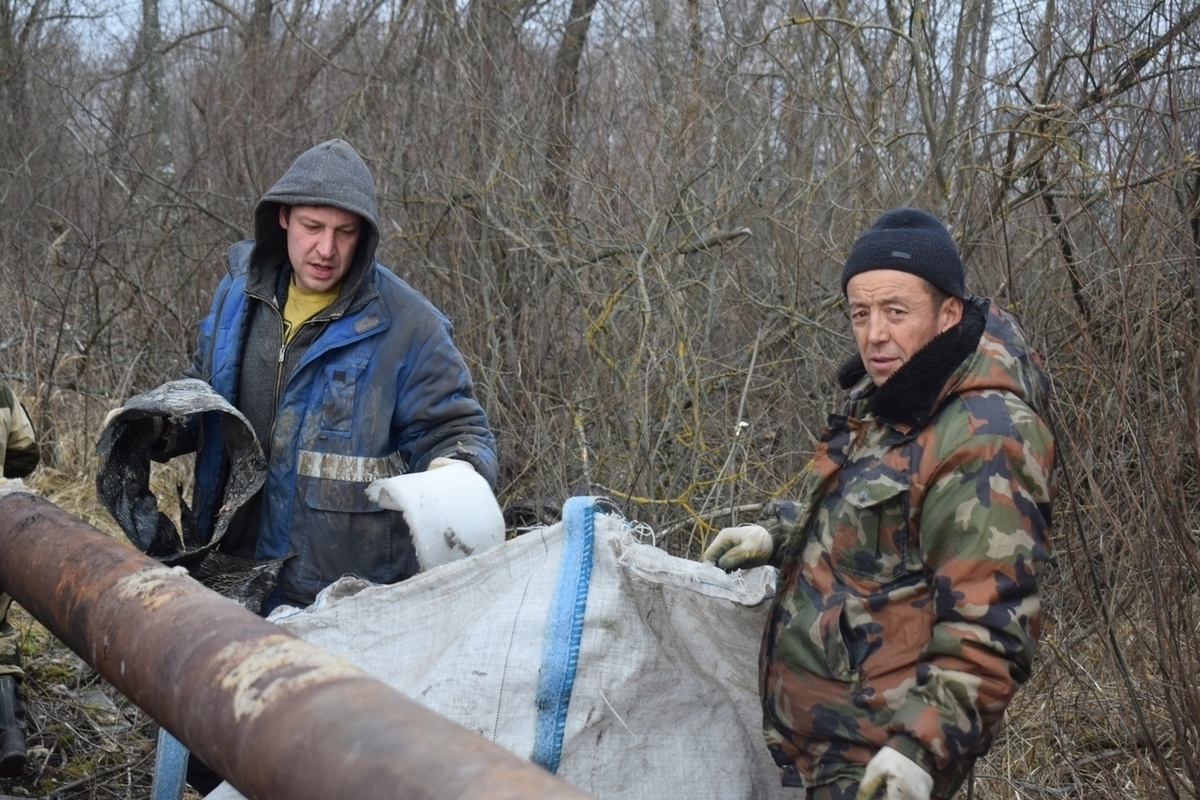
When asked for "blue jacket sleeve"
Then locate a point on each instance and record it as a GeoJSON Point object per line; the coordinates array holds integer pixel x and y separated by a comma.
{"type": "Point", "coordinates": [438, 413]}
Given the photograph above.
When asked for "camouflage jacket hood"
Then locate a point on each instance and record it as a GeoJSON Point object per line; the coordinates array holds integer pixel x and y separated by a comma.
{"type": "Point", "coordinates": [907, 609]}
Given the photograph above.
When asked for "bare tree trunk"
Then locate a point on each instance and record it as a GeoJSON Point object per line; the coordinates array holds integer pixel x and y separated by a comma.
{"type": "Point", "coordinates": [695, 35]}
{"type": "Point", "coordinates": [923, 72]}
{"type": "Point", "coordinates": [660, 14]}
{"type": "Point", "coordinates": [161, 164]}
{"type": "Point", "coordinates": [17, 33]}
{"type": "Point", "coordinates": [258, 29]}
{"type": "Point", "coordinates": [557, 188]}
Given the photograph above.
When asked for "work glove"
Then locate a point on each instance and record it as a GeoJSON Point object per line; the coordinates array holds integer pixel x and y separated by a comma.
{"type": "Point", "coordinates": [740, 548]}
{"type": "Point", "coordinates": [450, 510]}
{"type": "Point", "coordinates": [891, 775]}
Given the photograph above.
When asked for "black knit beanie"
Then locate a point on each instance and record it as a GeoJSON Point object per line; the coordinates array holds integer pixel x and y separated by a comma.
{"type": "Point", "coordinates": [909, 240]}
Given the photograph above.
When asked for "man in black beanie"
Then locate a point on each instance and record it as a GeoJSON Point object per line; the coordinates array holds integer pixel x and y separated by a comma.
{"type": "Point", "coordinates": [907, 608]}
{"type": "Point", "coordinates": [905, 285]}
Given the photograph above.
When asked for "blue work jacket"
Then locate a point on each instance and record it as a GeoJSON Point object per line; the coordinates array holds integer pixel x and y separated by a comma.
{"type": "Point", "coordinates": [381, 391]}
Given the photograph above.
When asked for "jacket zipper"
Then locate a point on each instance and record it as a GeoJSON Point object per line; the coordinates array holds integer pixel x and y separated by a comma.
{"type": "Point", "coordinates": [278, 367]}
{"type": "Point", "coordinates": [282, 356]}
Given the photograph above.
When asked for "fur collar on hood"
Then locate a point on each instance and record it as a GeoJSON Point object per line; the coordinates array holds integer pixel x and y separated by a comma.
{"type": "Point", "coordinates": [911, 395]}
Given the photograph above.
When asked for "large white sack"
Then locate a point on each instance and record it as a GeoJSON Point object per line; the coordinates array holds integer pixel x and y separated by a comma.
{"type": "Point", "coordinates": [664, 701]}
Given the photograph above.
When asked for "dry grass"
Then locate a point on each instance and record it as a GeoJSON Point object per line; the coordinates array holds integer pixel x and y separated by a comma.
{"type": "Point", "coordinates": [1064, 736]}
{"type": "Point", "coordinates": [85, 739]}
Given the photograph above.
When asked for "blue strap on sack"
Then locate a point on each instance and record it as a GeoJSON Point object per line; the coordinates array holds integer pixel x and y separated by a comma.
{"type": "Point", "coordinates": [564, 629]}
{"type": "Point", "coordinates": [170, 768]}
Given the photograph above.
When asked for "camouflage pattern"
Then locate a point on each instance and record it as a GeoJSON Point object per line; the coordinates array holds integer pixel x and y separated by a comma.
{"type": "Point", "coordinates": [838, 790]}
{"type": "Point", "coordinates": [18, 444]}
{"type": "Point", "coordinates": [907, 609]}
{"type": "Point", "coordinates": [19, 454]}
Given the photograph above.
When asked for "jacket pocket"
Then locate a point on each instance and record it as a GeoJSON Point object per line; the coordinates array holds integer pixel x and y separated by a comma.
{"type": "Point", "coordinates": [338, 398]}
{"type": "Point", "coordinates": [806, 638]}
{"type": "Point", "coordinates": [871, 530]}
{"type": "Point", "coordinates": [347, 497]}
{"type": "Point", "coordinates": [340, 532]}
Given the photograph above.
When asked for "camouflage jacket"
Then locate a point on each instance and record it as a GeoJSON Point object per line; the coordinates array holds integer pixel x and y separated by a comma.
{"type": "Point", "coordinates": [907, 610]}
{"type": "Point", "coordinates": [18, 443]}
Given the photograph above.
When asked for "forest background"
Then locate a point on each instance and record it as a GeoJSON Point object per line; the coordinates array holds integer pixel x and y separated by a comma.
{"type": "Point", "coordinates": [635, 212]}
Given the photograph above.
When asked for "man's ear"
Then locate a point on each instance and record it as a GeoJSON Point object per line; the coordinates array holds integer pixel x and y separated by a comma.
{"type": "Point", "coordinates": [284, 212]}
{"type": "Point", "coordinates": [950, 314]}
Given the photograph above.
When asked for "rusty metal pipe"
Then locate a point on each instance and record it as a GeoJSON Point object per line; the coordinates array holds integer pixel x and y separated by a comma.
{"type": "Point", "coordinates": [280, 718]}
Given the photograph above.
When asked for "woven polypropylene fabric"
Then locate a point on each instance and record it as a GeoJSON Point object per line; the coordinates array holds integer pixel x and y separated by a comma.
{"type": "Point", "coordinates": [664, 701]}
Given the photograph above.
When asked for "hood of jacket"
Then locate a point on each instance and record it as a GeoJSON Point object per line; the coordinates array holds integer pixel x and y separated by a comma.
{"type": "Point", "coordinates": [329, 174]}
{"type": "Point", "coordinates": [986, 350]}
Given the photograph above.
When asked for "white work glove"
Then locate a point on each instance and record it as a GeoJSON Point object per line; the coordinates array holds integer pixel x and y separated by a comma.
{"type": "Point", "coordinates": [450, 510]}
{"type": "Point", "coordinates": [740, 548]}
{"type": "Point", "coordinates": [897, 776]}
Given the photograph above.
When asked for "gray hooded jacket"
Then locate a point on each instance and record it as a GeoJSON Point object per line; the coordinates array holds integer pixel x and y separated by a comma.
{"type": "Point", "coordinates": [370, 387]}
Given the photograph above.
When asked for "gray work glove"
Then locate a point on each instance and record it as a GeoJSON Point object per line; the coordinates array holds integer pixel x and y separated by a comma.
{"type": "Point", "coordinates": [742, 547]}
{"type": "Point", "coordinates": [896, 775]}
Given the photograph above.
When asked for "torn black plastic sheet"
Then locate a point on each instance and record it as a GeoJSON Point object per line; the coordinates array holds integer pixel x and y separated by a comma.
{"type": "Point", "coordinates": [123, 486]}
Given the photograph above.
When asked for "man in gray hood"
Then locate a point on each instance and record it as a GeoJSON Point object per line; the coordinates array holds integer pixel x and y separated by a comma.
{"type": "Point", "coordinates": [346, 373]}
